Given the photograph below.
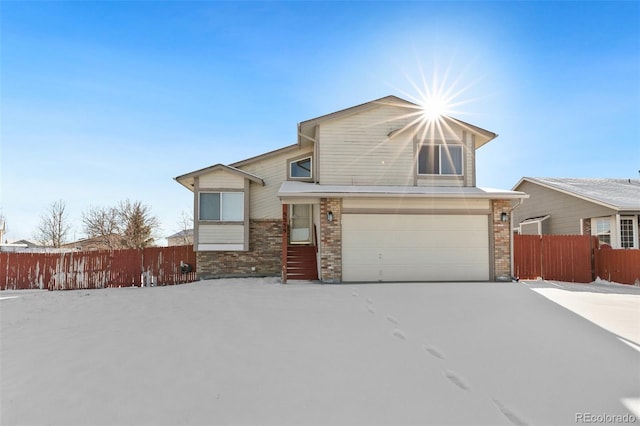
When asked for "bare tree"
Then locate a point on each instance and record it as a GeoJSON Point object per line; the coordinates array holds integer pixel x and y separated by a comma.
{"type": "Point", "coordinates": [3, 227]}
{"type": "Point", "coordinates": [185, 222]}
{"type": "Point", "coordinates": [137, 224]}
{"type": "Point", "coordinates": [104, 223]}
{"type": "Point", "coordinates": [54, 225]}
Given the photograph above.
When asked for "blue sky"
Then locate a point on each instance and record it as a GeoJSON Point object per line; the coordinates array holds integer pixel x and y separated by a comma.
{"type": "Point", "coordinates": [104, 101]}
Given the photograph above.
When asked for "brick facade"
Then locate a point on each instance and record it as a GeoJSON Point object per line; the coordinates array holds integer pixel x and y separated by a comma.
{"type": "Point", "coordinates": [331, 238]}
{"type": "Point", "coordinates": [265, 254]}
{"type": "Point", "coordinates": [501, 239]}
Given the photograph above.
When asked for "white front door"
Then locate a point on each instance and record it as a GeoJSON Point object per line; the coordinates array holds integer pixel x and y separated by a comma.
{"type": "Point", "coordinates": [300, 224]}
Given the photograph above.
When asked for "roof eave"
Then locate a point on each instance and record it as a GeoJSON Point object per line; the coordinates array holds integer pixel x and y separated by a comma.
{"type": "Point", "coordinates": [186, 180]}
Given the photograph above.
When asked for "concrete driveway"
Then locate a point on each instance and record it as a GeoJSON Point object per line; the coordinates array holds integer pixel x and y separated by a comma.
{"type": "Point", "coordinates": [614, 307]}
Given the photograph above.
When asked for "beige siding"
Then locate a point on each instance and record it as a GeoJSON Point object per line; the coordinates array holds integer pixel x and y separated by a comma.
{"type": "Point", "coordinates": [413, 204]}
{"type": "Point", "coordinates": [356, 150]}
{"type": "Point", "coordinates": [565, 210]}
{"type": "Point", "coordinates": [221, 179]}
{"type": "Point", "coordinates": [265, 203]}
{"type": "Point", "coordinates": [221, 234]}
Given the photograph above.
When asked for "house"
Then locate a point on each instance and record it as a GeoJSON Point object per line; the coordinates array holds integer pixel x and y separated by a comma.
{"type": "Point", "coordinates": [606, 208]}
{"type": "Point", "coordinates": [101, 242]}
{"type": "Point", "coordinates": [375, 192]}
{"type": "Point", "coordinates": [28, 243]}
{"type": "Point", "coordinates": [184, 237]}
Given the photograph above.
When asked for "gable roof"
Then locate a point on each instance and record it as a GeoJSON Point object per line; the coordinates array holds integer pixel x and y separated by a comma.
{"type": "Point", "coordinates": [618, 194]}
{"type": "Point", "coordinates": [187, 180]}
{"type": "Point", "coordinates": [306, 129]}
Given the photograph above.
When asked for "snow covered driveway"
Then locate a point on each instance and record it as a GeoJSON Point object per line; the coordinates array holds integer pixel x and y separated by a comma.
{"type": "Point", "coordinates": [257, 352]}
{"type": "Point", "coordinates": [614, 307]}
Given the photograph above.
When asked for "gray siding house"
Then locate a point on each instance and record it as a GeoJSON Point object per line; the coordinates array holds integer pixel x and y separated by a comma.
{"type": "Point", "coordinates": [606, 208]}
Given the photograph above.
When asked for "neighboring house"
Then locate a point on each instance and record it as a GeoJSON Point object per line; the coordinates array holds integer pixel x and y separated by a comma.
{"type": "Point", "coordinates": [181, 238]}
{"type": "Point", "coordinates": [17, 246]}
{"type": "Point", "coordinates": [28, 243]}
{"type": "Point", "coordinates": [606, 208]}
{"type": "Point", "coordinates": [93, 243]}
{"type": "Point", "coordinates": [372, 193]}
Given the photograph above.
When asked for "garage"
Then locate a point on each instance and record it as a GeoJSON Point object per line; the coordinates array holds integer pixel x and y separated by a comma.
{"type": "Point", "coordinates": [415, 247]}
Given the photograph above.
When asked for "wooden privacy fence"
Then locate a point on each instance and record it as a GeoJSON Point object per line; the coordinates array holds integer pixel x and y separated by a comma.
{"type": "Point", "coordinates": [97, 269]}
{"type": "Point", "coordinates": [572, 258]}
{"type": "Point", "coordinates": [621, 266]}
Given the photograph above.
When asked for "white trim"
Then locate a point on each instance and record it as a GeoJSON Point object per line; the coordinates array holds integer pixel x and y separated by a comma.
{"type": "Point", "coordinates": [634, 222]}
{"type": "Point", "coordinates": [594, 229]}
{"type": "Point", "coordinates": [220, 247]}
{"type": "Point", "coordinates": [581, 226]}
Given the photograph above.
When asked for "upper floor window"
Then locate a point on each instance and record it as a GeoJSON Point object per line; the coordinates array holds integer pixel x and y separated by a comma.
{"type": "Point", "coordinates": [440, 159]}
{"type": "Point", "coordinates": [301, 169]}
{"type": "Point", "coordinates": [222, 206]}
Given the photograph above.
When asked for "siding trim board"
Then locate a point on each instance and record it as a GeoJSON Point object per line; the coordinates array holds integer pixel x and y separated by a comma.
{"type": "Point", "coordinates": [391, 210]}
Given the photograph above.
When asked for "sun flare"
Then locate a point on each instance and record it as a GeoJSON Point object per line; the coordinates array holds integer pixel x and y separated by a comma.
{"type": "Point", "coordinates": [434, 107]}
{"type": "Point", "coordinates": [438, 98]}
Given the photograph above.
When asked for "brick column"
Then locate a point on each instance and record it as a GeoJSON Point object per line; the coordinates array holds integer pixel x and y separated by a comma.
{"type": "Point", "coordinates": [501, 239]}
{"type": "Point", "coordinates": [331, 237]}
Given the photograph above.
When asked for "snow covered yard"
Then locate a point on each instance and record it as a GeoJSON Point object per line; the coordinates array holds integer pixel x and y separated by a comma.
{"type": "Point", "coordinates": [257, 352]}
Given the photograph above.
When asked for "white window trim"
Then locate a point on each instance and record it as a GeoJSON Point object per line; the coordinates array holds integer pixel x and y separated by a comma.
{"type": "Point", "coordinates": [440, 145]}
{"type": "Point", "coordinates": [221, 220]}
{"type": "Point", "coordinates": [634, 221]}
{"type": "Point", "coordinates": [612, 229]}
{"type": "Point", "coordinates": [291, 162]}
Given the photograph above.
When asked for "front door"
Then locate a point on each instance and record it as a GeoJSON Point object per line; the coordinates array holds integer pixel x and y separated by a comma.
{"type": "Point", "coordinates": [300, 224]}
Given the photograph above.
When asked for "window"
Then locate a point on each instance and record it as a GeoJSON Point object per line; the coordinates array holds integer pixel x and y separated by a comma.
{"type": "Point", "coordinates": [603, 230]}
{"type": "Point", "coordinates": [301, 169]}
{"type": "Point", "coordinates": [223, 206]}
{"type": "Point", "coordinates": [440, 159]}
{"type": "Point", "coordinates": [627, 234]}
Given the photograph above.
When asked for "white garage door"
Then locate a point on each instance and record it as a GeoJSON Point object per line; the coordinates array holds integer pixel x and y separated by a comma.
{"type": "Point", "coordinates": [388, 247]}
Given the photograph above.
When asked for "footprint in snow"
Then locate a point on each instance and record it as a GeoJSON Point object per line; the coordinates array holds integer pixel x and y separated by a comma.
{"type": "Point", "coordinates": [392, 319]}
{"type": "Point", "coordinates": [354, 294]}
{"type": "Point", "coordinates": [369, 301]}
{"type": "Point", "coordinates": [456, 380]}
{"type": "Point", "coordinates": [433, 351]}
{"type": "Point", "coordinates": [399, 334]}
{"type": "Point", "coordinates": [510, 414]}
{"type": "Point", "coordinates": [371, 309]}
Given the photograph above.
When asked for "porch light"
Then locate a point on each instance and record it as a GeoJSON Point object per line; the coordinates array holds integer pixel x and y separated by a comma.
{"type": "Point", "coordinates": [504, 217]}
{"type": "Point", "coordinates": [330, 216]}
